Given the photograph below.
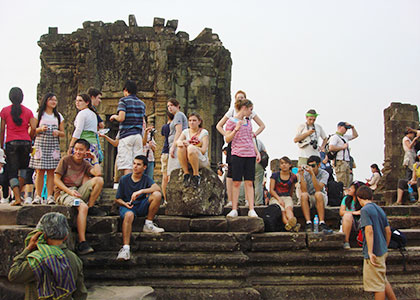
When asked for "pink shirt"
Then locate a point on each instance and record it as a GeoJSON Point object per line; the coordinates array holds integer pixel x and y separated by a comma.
{"type": "Point", "coordinates": [14, 132]}
{"type": "Point", "coordinates": [242, 144]}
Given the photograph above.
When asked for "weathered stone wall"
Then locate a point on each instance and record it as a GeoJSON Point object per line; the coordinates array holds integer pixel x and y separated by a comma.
{"type": "Point", "coordinates": [397, 117]}
{"type": "Point", "coordinates": [164, 64]}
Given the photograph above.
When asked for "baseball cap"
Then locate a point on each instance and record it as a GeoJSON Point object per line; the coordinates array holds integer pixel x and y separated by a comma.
{"type": "Point", "coordinates": [2, 161]}
{"type": "Point", "coordinates": [311, 113]}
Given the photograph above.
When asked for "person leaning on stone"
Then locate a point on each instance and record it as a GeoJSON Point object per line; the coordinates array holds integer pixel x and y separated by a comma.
{"type": "Point", "coordinates": [74, 187]}
{"type": "Point", "coordinates": [138, 196]}
{"type": "Point", "coordinates": [46, 266]}
{"type": "Point", "coordinates": [130, 114]}
{"type": "Point", "coordinates": [312, 183]}
{"type": "Point", "coordinates": [414, 182]}
{"type": "Point", "coordinates": [339, 142]}
{"type": "Point", "coordinates": [307, 138]}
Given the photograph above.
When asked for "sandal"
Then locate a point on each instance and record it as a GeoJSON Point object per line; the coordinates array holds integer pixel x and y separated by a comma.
{"type": "Point", "coordinates": [15, 203]}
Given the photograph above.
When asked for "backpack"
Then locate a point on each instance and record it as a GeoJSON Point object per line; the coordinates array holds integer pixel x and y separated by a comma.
{"type": "Point", "coordinates": [335, 193]}
{"type": "Point", "coordinates": [332, 154]}
{"type": "Point", "coordinates": [398, 239]}
{"type": "Point", "coordinates": [272, 218]}
{"type": "Point", "coordinates": [264, 157]}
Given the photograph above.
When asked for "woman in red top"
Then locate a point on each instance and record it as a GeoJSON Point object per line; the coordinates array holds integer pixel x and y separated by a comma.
{"type": "Point", "coordinates": [17, 146]}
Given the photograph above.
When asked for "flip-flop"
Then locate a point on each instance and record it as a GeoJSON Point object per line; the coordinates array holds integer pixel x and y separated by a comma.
{"type": "Point", "coordinates": [14, 203]}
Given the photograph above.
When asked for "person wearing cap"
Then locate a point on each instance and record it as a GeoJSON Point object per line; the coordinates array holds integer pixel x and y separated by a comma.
{"type": "Point", "coordinates": [4, 181]}
{"type": "Point", "coordinates": [307, 138]}
{"type": "Point", "coordinates": [414, 182]}
{"type": "Point", "coordinates": [339, 143]}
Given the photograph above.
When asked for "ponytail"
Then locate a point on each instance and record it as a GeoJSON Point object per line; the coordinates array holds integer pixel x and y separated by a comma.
{"type": "Point", "coordinates": [88, 100]}
{"type": "Point", "coordinates": [16, 97]}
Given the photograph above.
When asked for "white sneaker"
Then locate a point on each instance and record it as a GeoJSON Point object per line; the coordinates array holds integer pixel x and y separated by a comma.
{"type": "Point", "coordinates": [28, 200]}
{"type": "Point", "coordinates": [252, 213]}
{"type": "Point", "coordinates": [152, 228]}
{"type": "Point", "coordinates": [50, 200]}
{"type": "Point", "coordinates": [37, 200]}
{"type": "Point", "coordinates": [124, 254]}
{"type": "Point", "coordinates": [4, 201]}
{"type": "Point", "coordinates": [229, 204]}
{"type": "Point", "coordinates": [233, 214]}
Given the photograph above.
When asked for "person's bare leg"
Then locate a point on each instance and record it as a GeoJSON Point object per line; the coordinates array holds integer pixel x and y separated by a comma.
{"type": "Point", "coordinates": [39, 181]}
{"type": "Point", "coordinates": [154, 203]}
{"type": "Point", "coordinates": [389, 292]}
{"type": "Point", "coordinates": [182, 157]}
{"type": "Point", "coordinates": [319, 198]}
{"type": "Point", "coordinates": [98, 183]}
{"type": "Point", "coordinates": [400, 193]}
{"type": "Point", "coordinates": [235, 194]}
{"type": "Point", "coordinates": [164, 184]}
{"type": "Point", "coordinates": [229, 188]}
{"type": "Point", "coordinates": [289, 212]}
{"type": "Point", "coordinates": [50, 182]}
{"type": "Point", "coordinates": [380, 295]}
{"type": "Point", "coordinates": [81, 221]}
{"type": "Point", "coordinates": [284, 217]}
{"type": "Point", "coordinates": [347, 223]}
{"type": "Point", "coordinates": [16, 192]}
{"type": "Point", "coordinates": [193, 158]}
{"type": "Point", "coordinates": [127, 227]}
{"type": "Point", "coordinates": [304, 202]}
{"type": "Point", "coordinates": [249, 193]}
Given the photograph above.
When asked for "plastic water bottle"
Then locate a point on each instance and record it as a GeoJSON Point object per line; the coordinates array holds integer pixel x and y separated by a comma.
{"type": "Point", "coordinates": [316, 224]}
{"type": "Point", "coordinates": [411, 193]}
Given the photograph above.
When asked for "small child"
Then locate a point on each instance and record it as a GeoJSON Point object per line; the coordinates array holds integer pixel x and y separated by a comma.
{"type": "Point", "coordinates": [282, 185]}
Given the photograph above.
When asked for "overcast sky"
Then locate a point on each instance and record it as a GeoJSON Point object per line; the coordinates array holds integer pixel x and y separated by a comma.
{"type": "Point", "coordinates": [347, 59]}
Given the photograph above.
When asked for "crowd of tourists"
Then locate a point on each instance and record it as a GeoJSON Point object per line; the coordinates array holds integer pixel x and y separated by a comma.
{"type": "Point", "coordinates": [33, 171]}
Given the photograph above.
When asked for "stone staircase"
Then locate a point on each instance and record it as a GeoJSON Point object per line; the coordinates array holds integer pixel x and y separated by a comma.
{"type": "Point", "coordinates": [223, 258]}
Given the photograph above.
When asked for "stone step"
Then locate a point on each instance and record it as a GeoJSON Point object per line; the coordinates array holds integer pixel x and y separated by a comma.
{"type": "Point", "coordinates": [413, 236]}
{"type": "Point", "coordinates": [100, 292]}
{"type": "Point", "coordinates": [402, 222]}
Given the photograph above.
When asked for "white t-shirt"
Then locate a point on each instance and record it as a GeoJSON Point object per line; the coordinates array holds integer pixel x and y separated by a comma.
{"type": "Point", "coordinates": [86, 120]}
{"type": "Point", "coordinates": [337, 140]}
{"type": "Point", "coordinates": [307, 150]}
{"type": "Point", "coordinates": [203, 133]}
{"type": "Point", "coordinates": [50, 120]}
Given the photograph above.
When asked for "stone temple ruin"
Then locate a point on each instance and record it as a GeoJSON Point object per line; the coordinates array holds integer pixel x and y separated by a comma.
{"type": "Point", "coordinates": [163, 62]}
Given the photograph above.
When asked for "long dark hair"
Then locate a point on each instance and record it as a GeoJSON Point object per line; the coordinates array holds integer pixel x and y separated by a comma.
{"type": "Point", "coordinates": [16, 97]}
{"type": "Point", "coordinates": [349, 198]}
{"type": "Point", "coordinates": [43, 106]}
{"type": "Point", "coordinates": [88, 100]}
{"type": "Point", "coordinates": [375, 166]}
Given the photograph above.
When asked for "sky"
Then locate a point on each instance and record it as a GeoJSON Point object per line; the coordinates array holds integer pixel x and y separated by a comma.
{"type": "Point", "coordinates": [347, 59]}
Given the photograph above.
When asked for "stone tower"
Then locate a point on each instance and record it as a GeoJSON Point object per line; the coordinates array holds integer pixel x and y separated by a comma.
{"type": "Point", "coordinates": [164, 63]}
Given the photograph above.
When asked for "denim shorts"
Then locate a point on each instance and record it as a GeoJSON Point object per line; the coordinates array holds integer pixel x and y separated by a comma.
{"type": "Point", "coordinates": [140, 208]}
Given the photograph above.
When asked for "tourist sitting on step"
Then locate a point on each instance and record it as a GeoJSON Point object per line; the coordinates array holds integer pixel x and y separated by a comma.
{"type": "Point", "coordinates": [312, 183]}
{"type": "Point", "coordinates": [282, 185]}
{"type": "Point", "coordinates": [373, 181]}
{"type": "Point", "coordinates": [193, 144]}
{"type": "Point", "coordinates": [414, 182]}
{"type": "Point", "coordinates": [244, 155]}
{"type": "Point", "coordinates": [138, 196]}
{"type": "Point", "coordinates": [350, 212]}
{"type": "Point", "coordinates": [46, 266]}
{"type": "Point", "coordinates": [74, 187]}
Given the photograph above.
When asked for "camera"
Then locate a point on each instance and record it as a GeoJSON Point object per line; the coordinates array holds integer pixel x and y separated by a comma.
{"type": "Point", "coordinates": [314, 144]}
{"type": "Point", "coordinates": [152, 133]}
{"type": "Point", "coordinates": [347, 126]}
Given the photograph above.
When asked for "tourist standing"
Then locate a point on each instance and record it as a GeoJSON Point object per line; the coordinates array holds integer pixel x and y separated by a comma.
{"type": "Point", "coordinates": [408, 142]}
{"type": "Point", "coordinates": [178, 124]}
{"type": "Point", "coordinates": [193, 144]}
{"type": "Point", "coordinates": [149, 147]}
{"type": "Point", "coordinates": [47, 146]}
{"type": "Point", "coordinates": [16, 120]}
{"type": "Point", "coordinates": [130, 114]}
{"type": "Point", "coordinates": [244, 155]}
{"type": "Point", "coordinates": [240, 95]}
{"type": "Point", "coordinates": [165, 130]}
{"type": "Point", "coordinates": [95, 96]}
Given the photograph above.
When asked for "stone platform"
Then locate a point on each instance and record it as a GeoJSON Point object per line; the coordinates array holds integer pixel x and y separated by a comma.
{"type": "Point", "coordinates": [222, 258]}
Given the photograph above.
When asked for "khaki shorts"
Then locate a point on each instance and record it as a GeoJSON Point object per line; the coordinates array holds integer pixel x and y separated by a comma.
{"type": "Point", "coordinates": [374, 278]}
{"type": "Point", "coordinates": [288, 202]}
{"type": "Point", "coordinates": [173, 163]}
{"type": "Point", "coordinates": [128, 148]}
{"type": "Point", "coordinates": [342, 172]}
{"type": "Point", "coordinates": [164, 162]}
{"type": "Point", "coordinates": [84, 190]}
{"type": "Point", "coordinates": [312, 200]}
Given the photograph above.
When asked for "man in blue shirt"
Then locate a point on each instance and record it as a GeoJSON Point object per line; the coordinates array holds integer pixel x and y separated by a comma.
{"type": "Point", "coordinates": [376, 237]}
{"type": "Point", "coordinates": [130, 114]}
{"type": "Point", "coordinates": [138, 196]}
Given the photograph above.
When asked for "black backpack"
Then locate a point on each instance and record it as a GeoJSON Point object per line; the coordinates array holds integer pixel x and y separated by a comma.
{"type": "Point", "coordinates": [399, 241]}
{"type": "Point", "coordinates": [332, 154]}
{"type": "Point", "coordinates": [335, 193]}
{"type": "Point", "coordinates": [272, 218]}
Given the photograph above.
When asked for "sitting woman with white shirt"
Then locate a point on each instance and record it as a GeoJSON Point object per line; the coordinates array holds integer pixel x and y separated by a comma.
{"type": "Point", "coordinates": [376, 176]}
{"type": "Point", "coordinates": [86, 126]}
{"type": "Point", "coordinates": [193, 144]}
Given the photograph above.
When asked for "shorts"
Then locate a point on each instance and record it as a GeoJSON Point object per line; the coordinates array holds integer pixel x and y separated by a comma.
{"type": "Point", "coordinates": [243, 167]}
{"type": "Point", "coordinates": [374, 278]}
{"type": "Point", "coordinates": [288, 202]}
{"type": "Point", "coordinates": [140, 209]}
{"type": "Point", "coordinates": [128, 148]}
{"type": "Point", "coordinates": [67, 200]}
{"type": "Point", "coordinates": [312, 200]}
{"type": "Point", "coordinates": [229, 171]}
{"type": "Point", "coordinates": [164, 162]}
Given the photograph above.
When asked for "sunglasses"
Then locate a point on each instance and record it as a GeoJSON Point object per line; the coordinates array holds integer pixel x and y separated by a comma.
{"type": "Point", "coordinates": [312, 165]}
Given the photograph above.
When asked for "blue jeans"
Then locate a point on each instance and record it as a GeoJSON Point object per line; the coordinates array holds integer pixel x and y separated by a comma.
{"type": "Point", "coordinates": [150, 169]}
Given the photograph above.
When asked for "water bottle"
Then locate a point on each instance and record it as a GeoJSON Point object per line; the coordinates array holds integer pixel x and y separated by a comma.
{"type": "Point", "coordinates": [316, 224]}
{"type": "Point", "coordinates": [76, 202]}
{"type": "Point", "coordinates": [411, 193]}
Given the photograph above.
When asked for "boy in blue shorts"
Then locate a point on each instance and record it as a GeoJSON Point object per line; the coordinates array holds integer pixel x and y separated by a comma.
{"type": "Point", "coordinates": [138, 196]}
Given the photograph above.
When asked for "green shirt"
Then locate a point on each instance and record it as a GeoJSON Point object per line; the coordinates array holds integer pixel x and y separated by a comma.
{"type": "Point", "coordinates": [21, 272]}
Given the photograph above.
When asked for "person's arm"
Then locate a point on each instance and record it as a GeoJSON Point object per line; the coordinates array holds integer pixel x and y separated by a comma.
{"type": "Point", "coordinates": [230, 134]}
{"type": "Point", "coordinates": [369, 243]}
{"type": "Point", "coordinates": [178, 132]}
{"type": "Point", "coordinates": [153, 188]}
{"type": "Point", "coordinates": [303, 186]}
{"type": "Point", "coordinates": [388, 235]}
{"type": "Point", "coordinates": [354, 132]}
{"type": "Point", "coordinates": [120, 117]}
{"type": "Point", "coordinates": [145, 135]}
{"type": "Point", "coordinates": [205, 144]}
{"type": "Point", "coordinates": [60, 184]}
{"type": "Point", "coordinates": [301, 136]}
{"type": "Point", "coordinates": [414, 178]}
{"type": "Point", "coordinates": [260, 123]}
{"type": "Point", "coordinates": [96, 170]}
{"type": "Point", "coordinates": [111, 141]}
{"type": "Point", "coordinates": [60, 131]}
{"type": "Point", "coordinates": [413, 142]}
{"type": "Point", "coordinates": [32, 125]}
{"type": "Point", "coordinates": [342, 210]}
{"type": "Point", "coordinates": [335, 147]}
{"type": "Point", "coordinates": [257, 152]}
{"type": "Point", "coordinates": [152, 145]}
{"type": "Point", "coordinates": [220, 125]}
{"type": "Point", "coordinates": [2, 132]}
{"type": "Point", "coordinates": [324, 142]}
{"type": "Point", "coordinates": [181, 140]}
{"type": "Point", "coordinates": [101, 125]}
